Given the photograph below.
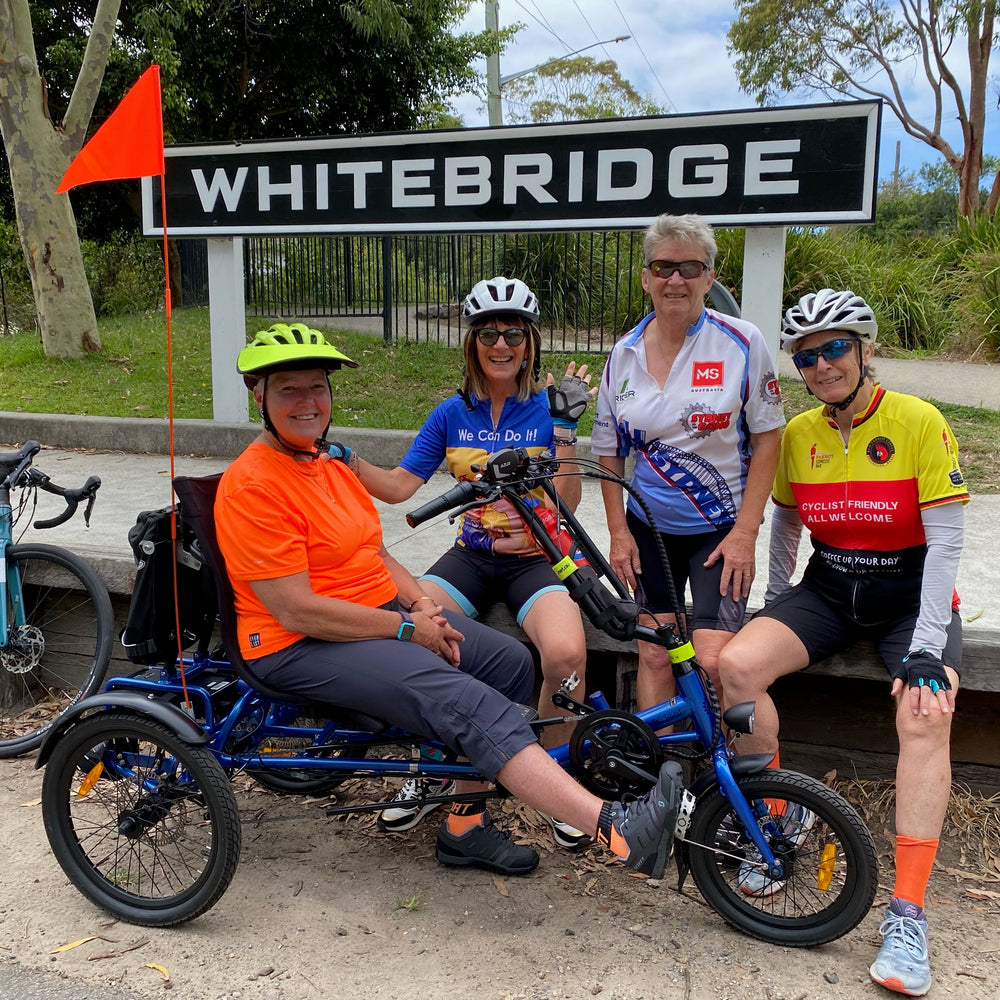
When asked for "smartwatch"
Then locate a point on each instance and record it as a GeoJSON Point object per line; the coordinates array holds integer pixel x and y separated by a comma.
{"type": "Point", "coordinates": [406, 627]}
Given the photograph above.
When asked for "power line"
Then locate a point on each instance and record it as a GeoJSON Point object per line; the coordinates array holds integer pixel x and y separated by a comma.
{"type": "Point", "coordinates": [644, 56]}
{"type": "Point", "coordinates": [543, 23]}
{"type": "Point", "coordinates": [589, 25]}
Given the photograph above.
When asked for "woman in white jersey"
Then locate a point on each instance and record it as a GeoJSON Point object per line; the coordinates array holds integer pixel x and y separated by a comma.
{"type": "Point", "coordinates": [694, 396]}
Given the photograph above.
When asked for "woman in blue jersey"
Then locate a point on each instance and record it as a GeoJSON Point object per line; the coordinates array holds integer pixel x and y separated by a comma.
{"type": "Point", "coordinates": [494, 558]}
{"type": "Point", "coordinates": [693, 395]}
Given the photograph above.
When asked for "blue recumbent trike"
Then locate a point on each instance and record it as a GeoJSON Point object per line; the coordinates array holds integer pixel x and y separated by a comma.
{"type": "Point", "coordinates": [140, 813]}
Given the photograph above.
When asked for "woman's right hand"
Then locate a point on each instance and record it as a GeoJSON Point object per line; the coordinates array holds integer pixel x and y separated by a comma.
{"type": "Point", "coordinates": [623, 556]}
{"type": "Point", "coordinates": [434, 632]}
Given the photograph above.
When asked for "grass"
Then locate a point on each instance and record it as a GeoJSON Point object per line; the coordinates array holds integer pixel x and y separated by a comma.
{"type": "Point", "coordinates": [395, 387]}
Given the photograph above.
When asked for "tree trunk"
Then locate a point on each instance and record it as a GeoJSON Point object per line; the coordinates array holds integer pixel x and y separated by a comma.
{"type": "Point", "coordinates": [38, 157]}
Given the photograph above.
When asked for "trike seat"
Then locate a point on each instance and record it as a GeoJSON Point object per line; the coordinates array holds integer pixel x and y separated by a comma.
{"type": "Point", "coordinates": [197, 507]}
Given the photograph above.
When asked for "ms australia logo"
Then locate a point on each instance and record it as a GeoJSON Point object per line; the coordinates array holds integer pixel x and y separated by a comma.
{"type": "Point", "coordinates": [624, 393]}
{"type": "Point", "coordinates": [707, 374]}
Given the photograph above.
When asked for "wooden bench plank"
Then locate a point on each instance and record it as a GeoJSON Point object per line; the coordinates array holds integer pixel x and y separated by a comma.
{"type": "Point", "coordinates": [980, 653]}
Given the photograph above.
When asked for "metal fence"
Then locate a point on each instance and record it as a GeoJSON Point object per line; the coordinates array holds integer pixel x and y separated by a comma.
{"type": "Point", "coordinates": [411, 287]}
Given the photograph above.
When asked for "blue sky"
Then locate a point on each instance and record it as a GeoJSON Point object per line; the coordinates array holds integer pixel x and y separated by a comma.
{"type": "Point", "coordinates": [677, 56]}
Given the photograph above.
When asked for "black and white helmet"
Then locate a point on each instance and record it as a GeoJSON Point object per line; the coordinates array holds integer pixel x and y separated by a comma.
{"type": "Point", "coordinates": [493, 296]}
{"type": "Point", "coordinates": [828, 310]}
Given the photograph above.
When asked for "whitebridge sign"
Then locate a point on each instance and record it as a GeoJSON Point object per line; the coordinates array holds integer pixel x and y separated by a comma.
{"type": "Point", "coordinates": [812, 165]}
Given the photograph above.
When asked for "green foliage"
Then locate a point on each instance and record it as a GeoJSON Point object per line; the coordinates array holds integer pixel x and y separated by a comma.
{"type": "Point", "coordinates": [130, 378]}
{"type": "Point", "coordinates": [125, 275]}
{"type": "Point", "coordinates": [17, 304]}
{"type": "Point", "coordinates": [574, 89]}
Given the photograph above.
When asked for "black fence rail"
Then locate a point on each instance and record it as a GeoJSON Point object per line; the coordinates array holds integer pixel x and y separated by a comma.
{"type": "Point", "coordinates": [589, 284]}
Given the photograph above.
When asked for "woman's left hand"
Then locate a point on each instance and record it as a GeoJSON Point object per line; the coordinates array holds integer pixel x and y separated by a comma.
{"type": "Point", "coordinates": [738, 553]}
{"type": "Point", "coordinates": [448, 634]}
{"type": "Point", "coordinates": [568, 402]}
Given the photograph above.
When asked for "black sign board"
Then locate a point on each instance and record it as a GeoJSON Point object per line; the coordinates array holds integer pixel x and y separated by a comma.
{"type": "Point", "coordinates": [812, 165]}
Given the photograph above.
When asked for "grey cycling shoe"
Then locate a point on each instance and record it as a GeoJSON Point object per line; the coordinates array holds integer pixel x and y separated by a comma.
{"type": "Point", "coordinates": [642, 832]}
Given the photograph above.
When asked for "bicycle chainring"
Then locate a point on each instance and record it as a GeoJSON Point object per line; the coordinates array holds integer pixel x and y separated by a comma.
{"type": "Point", "coordinates": [612, 753]}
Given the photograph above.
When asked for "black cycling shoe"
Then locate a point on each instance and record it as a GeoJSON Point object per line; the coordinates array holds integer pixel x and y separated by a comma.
{"type": "Point", "coordinates": [485, 847]}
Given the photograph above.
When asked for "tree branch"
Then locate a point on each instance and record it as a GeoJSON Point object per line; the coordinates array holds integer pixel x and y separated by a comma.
{"type": "Point", "coordinates": [88, 83]}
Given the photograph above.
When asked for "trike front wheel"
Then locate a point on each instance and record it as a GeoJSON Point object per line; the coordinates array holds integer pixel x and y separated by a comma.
{"type": "Point", "coordinates": [831, 871]}
{"type": "Point", "coordinates": [145, 825]}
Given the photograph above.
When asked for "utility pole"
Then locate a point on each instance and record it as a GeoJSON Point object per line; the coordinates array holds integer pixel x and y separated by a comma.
{"type": "Point", "coordinates": [493, 106]}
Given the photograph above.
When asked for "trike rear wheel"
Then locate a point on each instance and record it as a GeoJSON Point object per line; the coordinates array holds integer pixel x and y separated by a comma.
{"type": "Point", "coordinates": [831, 872]}
{"type": "Point", "coordinates": [145, 825]}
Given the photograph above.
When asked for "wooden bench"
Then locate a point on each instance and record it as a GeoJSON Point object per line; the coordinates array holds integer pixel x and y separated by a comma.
{"type": "Point", "coordinates": [838, 714]}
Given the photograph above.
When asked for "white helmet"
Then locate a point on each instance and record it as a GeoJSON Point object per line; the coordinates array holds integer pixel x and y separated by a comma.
{"type": "Point", "coordinates": [828, 310]}
{"type": "Point", "coordinates": [493, 296]}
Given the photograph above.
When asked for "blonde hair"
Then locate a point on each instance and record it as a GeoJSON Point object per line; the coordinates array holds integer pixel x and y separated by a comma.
{"type": "Point", "coordinates": [474, 382]}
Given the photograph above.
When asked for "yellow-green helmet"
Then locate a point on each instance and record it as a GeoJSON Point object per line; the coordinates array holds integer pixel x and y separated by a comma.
{"type": "Point", "coordinates": [288, 347]}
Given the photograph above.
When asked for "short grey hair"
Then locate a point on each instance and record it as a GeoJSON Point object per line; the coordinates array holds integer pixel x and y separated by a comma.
{"type": "Point", "coordinates": [684, 228]}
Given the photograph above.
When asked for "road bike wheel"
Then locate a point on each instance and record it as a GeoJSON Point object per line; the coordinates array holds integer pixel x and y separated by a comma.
{"type": "Point", "coordinates": [831, 872]}
{"type": "Point", "coordinates": [304, 780]}
{"type": "Point", "coordinates": [61, 654]}
{"type": "Point", "coordinates": [145, 825]}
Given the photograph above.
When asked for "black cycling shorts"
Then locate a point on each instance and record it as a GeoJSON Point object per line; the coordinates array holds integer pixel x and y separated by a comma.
{"type": "Point", "coordinates": [476, 580]}
{"type": "Point", "coordinates": [824, 630]}
{"type": "Point", "coordinates": [685, 555]}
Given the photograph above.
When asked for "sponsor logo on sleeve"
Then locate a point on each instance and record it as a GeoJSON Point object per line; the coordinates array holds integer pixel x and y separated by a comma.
{"type": "Point", "coordinates": [769, 389]}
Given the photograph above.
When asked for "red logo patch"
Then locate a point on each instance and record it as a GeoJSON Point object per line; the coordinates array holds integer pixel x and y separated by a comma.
{"type": "Point", "coordinates": [706, 373]}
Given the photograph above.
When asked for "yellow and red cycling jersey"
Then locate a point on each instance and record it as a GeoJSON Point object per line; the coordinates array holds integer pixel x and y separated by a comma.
{"type": "Point", "coordinates": [867, 495]}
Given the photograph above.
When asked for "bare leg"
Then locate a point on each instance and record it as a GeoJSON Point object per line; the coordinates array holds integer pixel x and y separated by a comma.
{"type": "Point", "coordinates": [654, 682]}
{"type": "Point", "coordinates": [536, 779]}
{"type": "Point", "coordinates": [553, 624]}
{"type": "Point", "coordinates": [760, 653]}
{"type": "Point", "coordinates": [923, 770]}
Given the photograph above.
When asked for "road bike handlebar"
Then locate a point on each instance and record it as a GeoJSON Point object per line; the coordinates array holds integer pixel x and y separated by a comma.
{"type": "Point", "coordinates": [14, 467]}
{"type": "Point", "coordinates": [73, 497]}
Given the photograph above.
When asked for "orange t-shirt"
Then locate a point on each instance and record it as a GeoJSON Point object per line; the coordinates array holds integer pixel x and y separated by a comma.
{"type": "Point", "coordinates": [277, 517]}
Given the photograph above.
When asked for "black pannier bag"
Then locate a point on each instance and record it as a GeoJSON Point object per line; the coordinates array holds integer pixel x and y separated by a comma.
{"type": "Point", "coordinates": [150, 633]}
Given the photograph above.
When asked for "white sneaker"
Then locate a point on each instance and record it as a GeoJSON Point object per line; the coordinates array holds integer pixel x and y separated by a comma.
{"type": "Point", "coordinates": [565, 835]}
{"type": "Point", "coordinates": [753, 881]}
{"type": "Point", "coordinates": [410, 810]}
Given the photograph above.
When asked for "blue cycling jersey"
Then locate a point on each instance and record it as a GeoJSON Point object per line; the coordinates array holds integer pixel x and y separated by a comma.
{"type": "Point", "coordinates": [463, 437]}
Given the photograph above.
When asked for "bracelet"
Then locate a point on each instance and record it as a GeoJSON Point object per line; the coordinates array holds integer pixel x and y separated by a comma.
{"type": "Point", "coordinates": [419, 599]}
{"type": "Point", "coordinates": [565, 442]}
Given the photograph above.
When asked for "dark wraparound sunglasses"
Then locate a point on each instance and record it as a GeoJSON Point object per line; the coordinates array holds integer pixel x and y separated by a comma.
{"type": "Point", "coordinates": [688, 268]}
{"type": "Point", "coordinates": [513, 336]}
{"type": "Point", "coordinates": [829, 351]}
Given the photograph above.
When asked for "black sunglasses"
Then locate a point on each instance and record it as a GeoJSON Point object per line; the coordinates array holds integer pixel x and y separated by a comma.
{"type": "Point", "coordinates": [687, 268]}
{"type": "Point", "coordinates": [513, 336]}
{"type": "Point", "coordinates": [829, 351]}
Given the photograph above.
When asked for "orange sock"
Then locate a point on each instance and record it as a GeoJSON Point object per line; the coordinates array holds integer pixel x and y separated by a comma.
{"type": "Point", "coordinates": [459, 823]}
{"type": "Point", "coordinates": [777, 806]}
{"type": "Point", "coordinates": [914, 861]}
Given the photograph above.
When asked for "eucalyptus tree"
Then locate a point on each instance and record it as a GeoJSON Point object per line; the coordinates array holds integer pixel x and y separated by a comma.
{"type": "Point", "coordinates": [230, 70]}
{"type": "Point", "coordinates": [903, 51]}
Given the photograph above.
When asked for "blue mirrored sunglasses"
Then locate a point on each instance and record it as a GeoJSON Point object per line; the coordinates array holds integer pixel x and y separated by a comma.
{"type": "Point", "coordinates": [829, 351]}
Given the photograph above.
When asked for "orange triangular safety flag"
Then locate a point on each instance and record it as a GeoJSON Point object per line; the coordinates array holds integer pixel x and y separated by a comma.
{"type": "Point", "coordinates": [129, 143]}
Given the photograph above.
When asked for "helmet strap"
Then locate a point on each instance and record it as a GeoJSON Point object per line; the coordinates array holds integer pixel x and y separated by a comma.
{"type": "Point", "coordinates": [845, 403]}
{"type": "Point", "coordinates": [319, 445]}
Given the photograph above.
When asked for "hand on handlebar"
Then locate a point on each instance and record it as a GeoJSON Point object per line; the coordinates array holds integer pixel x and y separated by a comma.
{"type": "Point", "coordinates": [433, 631]}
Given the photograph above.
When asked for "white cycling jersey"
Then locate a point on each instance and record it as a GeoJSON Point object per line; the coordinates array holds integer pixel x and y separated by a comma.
{"type": "Point", "coordinates": [692, 437]}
